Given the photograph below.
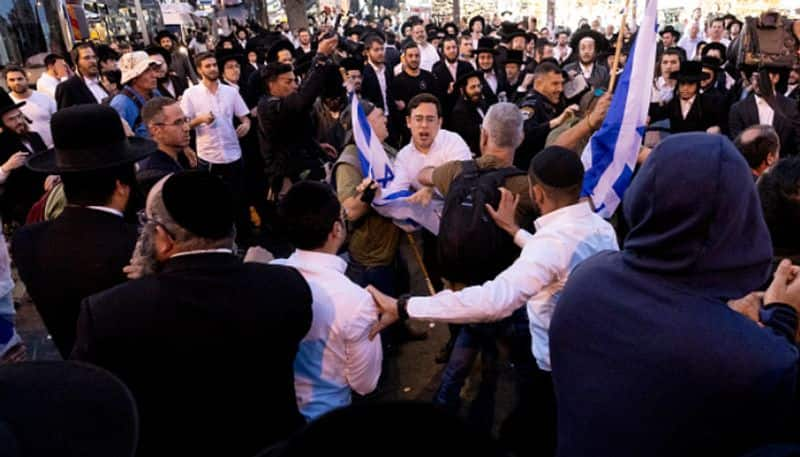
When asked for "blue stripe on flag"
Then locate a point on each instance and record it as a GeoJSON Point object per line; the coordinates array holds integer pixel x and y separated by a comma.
{"type": "Point", "coordinates": [622, 182]}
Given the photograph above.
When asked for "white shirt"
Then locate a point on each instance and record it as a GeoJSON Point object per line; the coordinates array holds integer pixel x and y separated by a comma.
{"type": "Point", "coordinates": [46, 84]}
{"type": "Point", "coordinates": [561, 54]}
{"type": "Point", "coordinates": [662, 93]}
{"type": "Point", "coordinates": [106, 209]}
{"type": "Point", "coordinates": [428, 56]}
{"type": "Point", "coordinates": [452, 68]}
{"type": "Point", "coordinates": [381, 74]}
{"type": "Point", "coordinates": [335, 355]}
{"type": "Point", "coordinates": [689, 45]}
{"type": "Point", "coordinates": [202, 251]}
{"type": "Point", "coordinates": [586, 70]}
{"type": "Point", "coordinates": [726, 42]}
{"type": "Point", "coordinates": [491, 80]}
{"type": "Point", "coordinates": [686, 105]}
{"type": "Point", "coordinates": [791, 88]}
{"type": "Point", "coordinates": [446, 146]}
{"type": "Point", "coordinates": [563, 239]}
{"type": "Point", "coordinates": [39, 108]}
{"type": "Point", "coordinates": [170, 87]}
{"type": "Point", "coordinates": [216, 143]}
{"type": "Point", "coordinates": [765, 112]}
{"type": "Point", "coordinates": [96, 88]}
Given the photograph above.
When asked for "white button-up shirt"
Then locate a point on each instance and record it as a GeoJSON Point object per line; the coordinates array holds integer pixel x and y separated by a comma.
{"type": "Point", "coordinates": [587, 70]}
{"type": "Point", "coordinates": [96, 88]}
{"type": "Point", "coordinates": [428, 56]}
{"type": "Point", "coordinates": [410, 161]}
{"type": "Point", "coordinates": [336, 355]}
{"type": "Point", "coordinates": [216, 143]}
{"type": "Point", "coordinates": [765, 112]}
{"type": "Point", "coordinates": [39, 108]}
{"type": "Point", "coordinates": [564, 238]}
{"type": "Point", "coordinates": [561, 54]}
{"type": "Point", "coordinates": [686, 106]}
{"type": "Point", "coordinates": [381, 74]}
{"type": "Point", "coordinates": [491, 80]}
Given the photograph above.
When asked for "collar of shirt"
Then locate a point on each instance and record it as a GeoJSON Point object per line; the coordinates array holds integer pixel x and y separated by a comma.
{"type": "Point", "coordinates": [765, 112]}
{"type": "Point", "coordinates": [106, 209]}
{"type": "Point", "coordinates": [575, 211]}
{"type": "Point", "coordinates": [686, 105]}
{"type": "Point", "coordinates": [91, 81]}
{"type": "Point", "coordinates": [790, 88]}
{"type": "Point", "coordinates": [314, 260]}
{"type": "Point", "coordinates": [378, 71]}
{"type": "Point", "coordinates": [587, 68]}
{"type": "Point", "coordinates": [202, 251]}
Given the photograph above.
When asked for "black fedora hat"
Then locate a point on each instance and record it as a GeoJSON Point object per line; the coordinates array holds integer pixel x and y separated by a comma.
{"type": "Point", "coordinates": [485, 45]}
{"type": "Point", "coordinates": [718, 46]}
{"type": "Point", "coordinates": [690, 72]}
{"type": "Point", "coordinates": [272, 54]}
{"type": "Point", "coordinates": [735, 21]}
{"type": "Point", "coordinates": [712, 63]}
{"type": "Point", "coordinates": [514, 56]}
{"type": "Point", "coordinates": [462, 81]}
{"type": "Point", "coordinates": [600, 42]}
{"type": "Point", "coordinates": [165, 34]}
{"type": "Point", "coordinates": [87, 138]}
{"type": "Point", "coordinates": [224, 55]}
{"type": "Point", "coordinates": [6, 104]}
{"type": "Point", "coordinates": [671, 30]}
{"type": "Point", "coordinates": [475, 19]}
{"type": "Point", "coordinates": [65, 409]}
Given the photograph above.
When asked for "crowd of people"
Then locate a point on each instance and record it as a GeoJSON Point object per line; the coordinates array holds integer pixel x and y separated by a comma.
{"type": "Point", "coordinates": [197, 231]}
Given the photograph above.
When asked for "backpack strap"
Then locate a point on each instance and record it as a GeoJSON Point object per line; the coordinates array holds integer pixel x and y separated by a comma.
{"type": "Point", "coordinates": [126, 91]}
{"type": "Point", "coordinates": [469, 168]}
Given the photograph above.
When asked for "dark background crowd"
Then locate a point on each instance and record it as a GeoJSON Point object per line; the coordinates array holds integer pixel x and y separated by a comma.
{"type": "Point", "coordinates": [165, 206]}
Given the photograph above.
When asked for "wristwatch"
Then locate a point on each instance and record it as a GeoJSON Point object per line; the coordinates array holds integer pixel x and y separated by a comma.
{"type": "Point", "coordinates": [402, 305]}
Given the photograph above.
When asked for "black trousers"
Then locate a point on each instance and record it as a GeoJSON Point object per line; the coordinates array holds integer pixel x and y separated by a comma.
{"type": "Point", "coordinates": [530, 429]}
{"type": "Point", "coordinates": [233, 175]}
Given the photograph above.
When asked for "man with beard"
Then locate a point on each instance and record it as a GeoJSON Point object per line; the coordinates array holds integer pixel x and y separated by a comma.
{"type": "Point", "coordinates": [545, 111]}
{"type": "Point", "coordinates": [514, 73]}
{"type": "Point", "coordinates": [180, 62]}
{"type": "Point", "coordinates": [690, 110]}
{"type": "Point", "coordinates": [84, 87]}
{"type": "Point", "coordinates": [494, 82]}
{"type": "Point", "coordinates": [597, 75]}
{"type": "Point", "coordinates": [169, 84]}
{"type": "Point", "coordinates": [354, 72]}
{"type": "Point", "coordinates": [84, 250]}
{"type": "Point", "coordinates": [793, 86]}
{"type": "Point", "coordinates": [413, 80]}
{"type": "Point", "coordinates": [38, 107]}
{"type": "Point", "coordinates": [195, 302]}
{"type": "Point", "coordinates": [562, 51]}
{"type": "Point", "coordinates": [428, 53]}
{"type": "Point", "coordinates": [169, 128]}
{"type": "Point", "coordinates": [469, 111]}
{"type": "Point", "coordinates": [21, 187]}
{"type": "Point", "coordinates": [139, 80]}
{"type": "Point", "coordinates": [211, 106]}
{"type": "Point", "coordinates": [447, 71]}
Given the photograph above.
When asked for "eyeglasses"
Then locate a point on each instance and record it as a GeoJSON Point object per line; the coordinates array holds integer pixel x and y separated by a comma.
{"type": "Point", "coordinates": [177, 123]}
{"type": "Point", "coordinates": [144, 219]}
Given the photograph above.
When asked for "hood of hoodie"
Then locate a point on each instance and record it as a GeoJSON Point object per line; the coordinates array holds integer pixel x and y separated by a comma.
{"type": "Point", "coordinates": [695, 216]}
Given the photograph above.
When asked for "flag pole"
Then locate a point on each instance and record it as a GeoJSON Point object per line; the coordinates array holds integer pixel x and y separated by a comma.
{"type": "Point", "coordinates": [414, 247]}
{"type": "Point", "coordinates": [618, 51]}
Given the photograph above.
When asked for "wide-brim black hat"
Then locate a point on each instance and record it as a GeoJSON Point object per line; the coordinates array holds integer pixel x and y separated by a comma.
{"type": "Point", "coordinates": [272, 54]}
{"type": "Point", "coordinates": [67, 409]}
{"type": "Point", "coordinates": [670, 29]}
{"type": "Point", "coordinates": [87, 138]}
{"type": "Point", "coordinates": [514, 56]}
{"type": "Point", "coordinates": [462, 81]}
{"type": "Point", "coordinates": [475, 19]}
{"type": "Point", "coordinates": [718, 46]}
{"type": "Point", "coordinates": [225, 55]}
{"type": "Point", "coordinates": [485, 45]}
{"type": "Point", "coordinates": [166, 33]}
{"type": "Point", "coordinates": [711, 62]}
{"type": "Point", "coordinates": [735, 21]}
{"type": "Point", "coordinates": [690, 72]}
{"type": "Point", "coordinates": [600, 42]}
{"type": "Point", "coordinates": [7, 104]}
{"type": "Point", "coordinates": [352, 63]}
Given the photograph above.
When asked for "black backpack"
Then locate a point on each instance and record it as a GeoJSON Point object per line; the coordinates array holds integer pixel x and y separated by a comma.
{"type": "Point", "coordinates": [471, 247]}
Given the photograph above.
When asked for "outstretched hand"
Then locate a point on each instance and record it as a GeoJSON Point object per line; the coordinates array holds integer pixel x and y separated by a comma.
{"type": "Point", "coordinates": [387, 309]}
{"type": "Point", "coordinates": [505, 214]}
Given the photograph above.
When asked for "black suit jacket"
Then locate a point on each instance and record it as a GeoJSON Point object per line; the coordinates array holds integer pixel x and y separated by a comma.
{"type": "Point", "coordinates": [704, 113]}
{"type": "Point", "coordinates": [466, 121]}
{"type": "Point", "coordinates": [23, 187]}
{"type": "Point", "coordinates": [371, 88]}
{"type": "Point", "coordinates": [786, 121]}
{"type": "Point", "coordinates": [207, 348]}
{"type": "Point", "coordinates": [73, 91]}
{"type": "Point", "coordinates": [178, 85]}
{"type": "Point", "coordinates": [67, 259]}
{"type": "Point", "coordinates": [443, 79]}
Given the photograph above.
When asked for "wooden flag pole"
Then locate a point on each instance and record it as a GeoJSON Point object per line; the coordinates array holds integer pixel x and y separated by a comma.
{"type": "Point", "coordinates": [618, 52]}
{"type": "Point", "coordinates": [414, 247]}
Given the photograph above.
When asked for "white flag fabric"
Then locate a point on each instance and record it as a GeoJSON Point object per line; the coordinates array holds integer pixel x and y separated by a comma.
{"type": "Point", "coordinates": [610, 156]}
{"type": "Point", "coordinates": [391, 201]}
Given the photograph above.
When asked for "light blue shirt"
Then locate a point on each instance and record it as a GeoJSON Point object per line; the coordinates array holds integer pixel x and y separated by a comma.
{"type": "Point", "coordinates": [128, 110]}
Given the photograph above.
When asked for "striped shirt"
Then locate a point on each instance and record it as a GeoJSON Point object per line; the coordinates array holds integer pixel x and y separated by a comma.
{"type": "Point", "coordinates": [564, 238]}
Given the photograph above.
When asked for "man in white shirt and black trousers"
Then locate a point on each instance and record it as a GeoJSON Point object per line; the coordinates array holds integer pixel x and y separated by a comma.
{"type": "Point", "coordinates": [567, 233]}
{"type": "Point", "coordinates": [211, 107]}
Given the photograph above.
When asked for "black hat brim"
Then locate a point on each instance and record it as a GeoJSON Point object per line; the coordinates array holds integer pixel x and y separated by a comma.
{"type": "Point", "coordinates": [8, 108]}
{"type": "Point", "coordinates": [463, 79]}
{"type": "Point", "coordinates": [689, 78]}
{"type": "Point", "coordinates": [130, 150]}
{"type": "Point", "coordinates": [601, 42]}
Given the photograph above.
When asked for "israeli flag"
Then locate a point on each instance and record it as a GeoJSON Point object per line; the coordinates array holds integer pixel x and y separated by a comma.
{"type": "Point", "coordinates": [610, 156]}
{"type": "Point", "coordinates": [391, 201]}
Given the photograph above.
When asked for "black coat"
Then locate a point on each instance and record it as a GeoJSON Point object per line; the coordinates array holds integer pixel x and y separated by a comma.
{"type": "Point", "coordinates": [23, 187]}
{"type": "Point", "coordinates": [178, 85]}
{"type": "Point", "coordinates": [490, 96]}
{"type": "Point", "coordinates": [69, 258]}
{"type": "Point", "coordinates": [536, 127]}
{"type": "Point", "coordinates": [74, 91]}
{"type": "Point", "coordinates": [600, 75]}
{"type": "Point", "coordinates": [443, 80]}
{"type": "Point", "coordinates": [207, 348]}
{"type": "Point", "coordinates": [786, 121]}
{"type": "Point", "coordinates": [466, 121]}
{"type": "Point", "coordinates": [705, 112]}
{"type": "Point", "coordinates": [371, 88]}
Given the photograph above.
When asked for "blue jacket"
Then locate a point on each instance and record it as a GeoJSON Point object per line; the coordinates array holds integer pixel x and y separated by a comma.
{"type": "Point", "coordinates": [647, 357]}
{"type": "Point", "coordinates": [131, 110]}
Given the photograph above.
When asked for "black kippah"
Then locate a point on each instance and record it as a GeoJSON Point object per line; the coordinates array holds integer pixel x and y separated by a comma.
{"type": "Point", "coordinates": [557, 167]}
{"type": "Point", "coordinates": [200, 203]}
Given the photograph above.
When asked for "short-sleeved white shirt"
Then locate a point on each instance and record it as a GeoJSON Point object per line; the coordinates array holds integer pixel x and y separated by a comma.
{"type": "Point", "coordinates": [216, 143]}
{"type": "Point", "coordinates": [39, 108]}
